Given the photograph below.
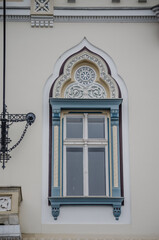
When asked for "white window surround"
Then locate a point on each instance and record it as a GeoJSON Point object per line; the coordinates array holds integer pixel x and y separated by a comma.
{"type": "Point", "coordinates": [86, 214]}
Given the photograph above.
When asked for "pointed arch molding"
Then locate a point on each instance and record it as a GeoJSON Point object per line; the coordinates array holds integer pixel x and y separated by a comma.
{"type": "Point", "coordinates": [104, 64]}
{"type": "Point", "coordinates": [91, 61]}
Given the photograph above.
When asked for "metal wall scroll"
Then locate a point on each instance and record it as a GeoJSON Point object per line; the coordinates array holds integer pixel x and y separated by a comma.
{"type": "Point", "coordinates": [6, 120]}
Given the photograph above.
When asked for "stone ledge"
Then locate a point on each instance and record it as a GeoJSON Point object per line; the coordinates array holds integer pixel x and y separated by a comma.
{"type": "Point", "coordinates": [10, 238]}
{"type": "Point", "coordinates": [9, 231]}
{"type": "Point", "coordinates": [87, 237]}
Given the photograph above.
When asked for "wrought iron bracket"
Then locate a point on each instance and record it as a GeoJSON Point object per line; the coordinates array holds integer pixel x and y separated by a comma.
{"type": "Point", "coordinates": [6, 120]}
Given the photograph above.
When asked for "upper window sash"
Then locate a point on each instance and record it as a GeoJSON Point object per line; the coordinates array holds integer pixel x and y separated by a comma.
{"type": "Point", "coordinates": [90, 127]}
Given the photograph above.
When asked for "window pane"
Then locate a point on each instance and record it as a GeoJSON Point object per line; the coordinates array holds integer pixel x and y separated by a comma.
{"type": "Point", "coordinates": [74, 171]}
{"type": "Point", "coordinates": [96, 171]}
{"type": "Point", "coordinates": [74, 127]}
{"type": "Point", "coordinates": [96, 127]}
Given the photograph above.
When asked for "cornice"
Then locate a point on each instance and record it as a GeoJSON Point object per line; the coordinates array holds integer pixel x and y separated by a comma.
{"type": "Point", "coordinates": [93, 19]}
{"type": "Point", "coordinates": [155, 9]}
{"type": "Point", "coordinates": [101, 8]}
{"type": "Point", "coordinates": [16, 18]}
{"type": "Point", "coordinates": [110, 15]}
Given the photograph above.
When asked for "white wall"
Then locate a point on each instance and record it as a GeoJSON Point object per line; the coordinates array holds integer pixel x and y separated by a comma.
{"type": "Point", "coordinates": [31, 55]}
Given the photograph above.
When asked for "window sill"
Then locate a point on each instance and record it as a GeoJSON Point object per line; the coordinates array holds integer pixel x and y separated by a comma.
{"type": "Point", "coordinates": [56, 202]}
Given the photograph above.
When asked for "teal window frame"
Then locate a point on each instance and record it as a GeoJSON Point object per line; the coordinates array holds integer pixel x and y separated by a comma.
{"type": "Point", "coordinates": [56, 200]}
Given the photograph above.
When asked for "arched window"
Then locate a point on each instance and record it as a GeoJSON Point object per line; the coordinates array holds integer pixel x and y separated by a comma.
{"type": "Point", "coordinates": [86, 165]}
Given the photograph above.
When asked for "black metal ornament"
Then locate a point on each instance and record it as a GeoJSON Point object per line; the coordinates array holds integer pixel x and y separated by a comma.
{"type": "Point", "coordinates": [6, 119]}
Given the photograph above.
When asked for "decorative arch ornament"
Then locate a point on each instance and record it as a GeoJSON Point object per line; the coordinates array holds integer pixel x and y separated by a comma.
{"type": "Point", "coordinates": [61, 86]}
{"type": "Point", "coordinates": [85, 80]}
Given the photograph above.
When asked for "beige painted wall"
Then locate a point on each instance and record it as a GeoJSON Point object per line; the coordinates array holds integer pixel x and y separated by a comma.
{"type": "Point", "coordinates": [31, 55]}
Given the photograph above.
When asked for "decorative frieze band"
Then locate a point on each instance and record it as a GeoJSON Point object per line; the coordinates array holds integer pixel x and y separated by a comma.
{"type": "Point", "coordinates": [93, 19]}
{"type": "Point", "coordinates": [107, 19]}
{"type": "Point", "coordinates": [42, 14]}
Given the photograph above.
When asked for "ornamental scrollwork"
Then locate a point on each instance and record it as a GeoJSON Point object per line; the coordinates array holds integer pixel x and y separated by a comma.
{"type": "Point", "coordinates": [85, 87]}
{"type": "Point", "coordinates": [77, 91]}
{"type": "Point", "coordinates": [96, 91]}
{"type": "Point", "coordinates": [5, 204]}
{"type": "Point", "coordinates": [85, 76]}
{"type": "Point", "coordinates": [42, 5]}
{"type": "Point", "coordinates": [74, 91]}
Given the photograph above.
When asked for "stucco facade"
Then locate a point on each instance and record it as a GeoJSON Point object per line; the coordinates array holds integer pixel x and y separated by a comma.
{"type": "Point", "coordinates": [33, 54]}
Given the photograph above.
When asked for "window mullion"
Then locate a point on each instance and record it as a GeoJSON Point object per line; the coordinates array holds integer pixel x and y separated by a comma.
{"type": "Point", "coordinates": [64, 127]}
{"type": "Point", "coordinates": [85, 166]}
{"type": "Point", "coordinates": [85, 156]}
{"type": "Point", "coordinates": [107, 171]}
{"type": "Point", "coordinates": [64, 172]}
{"type": "Point", "coordinates": [106, 157]}
{"type": "Point", "coordinates": [85, 127]}
{"type": "Point", "coordinates": [106, 128]}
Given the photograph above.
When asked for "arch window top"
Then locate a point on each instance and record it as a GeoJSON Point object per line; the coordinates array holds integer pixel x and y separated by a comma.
{"type": "Point", "coordinates": [85, 76]}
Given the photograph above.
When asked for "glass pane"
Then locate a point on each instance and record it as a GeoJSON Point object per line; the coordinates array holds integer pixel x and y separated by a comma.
{"type": "Point", "coordinates": [74, 127]}
{"type": "Point", "coordinates": [96, 171]}
{"type": "Point", "coordinates": [96, 127]}
{"type": "Point", "coordinates": [74, 171]}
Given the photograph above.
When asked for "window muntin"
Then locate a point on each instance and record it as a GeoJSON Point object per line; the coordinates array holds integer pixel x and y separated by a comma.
{"type": "Point", "coordinates": [94, 146]}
